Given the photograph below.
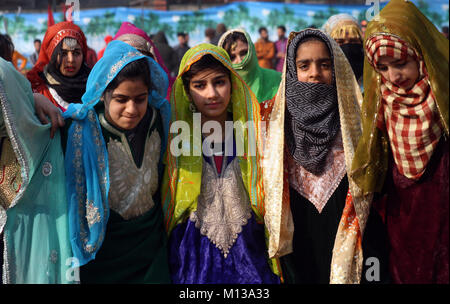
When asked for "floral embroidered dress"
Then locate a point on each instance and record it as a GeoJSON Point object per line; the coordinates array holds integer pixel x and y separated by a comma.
{"type": "Point", "coordinates": [213, 205]}
{"type": "Point", "coordinates": [116, 220]}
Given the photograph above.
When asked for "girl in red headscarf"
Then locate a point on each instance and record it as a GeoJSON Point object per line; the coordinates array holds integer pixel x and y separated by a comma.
{"type": "Point", "coordinates": [61, 71]}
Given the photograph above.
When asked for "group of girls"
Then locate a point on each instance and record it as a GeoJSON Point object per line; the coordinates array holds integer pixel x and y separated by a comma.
{"type": "Point", "coordinates": [336, 178]}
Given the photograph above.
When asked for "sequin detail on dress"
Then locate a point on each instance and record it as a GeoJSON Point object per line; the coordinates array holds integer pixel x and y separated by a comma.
{"type": "Point", "coordinates": [132, 189]}
{"type": "Point", "coordinates": [223, 206]}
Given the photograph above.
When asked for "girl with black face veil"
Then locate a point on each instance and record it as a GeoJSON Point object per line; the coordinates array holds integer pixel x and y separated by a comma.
{"type": "Point", "coordinates": [346, 31]}
{"type": "Point", "coordinates": [317, 106]}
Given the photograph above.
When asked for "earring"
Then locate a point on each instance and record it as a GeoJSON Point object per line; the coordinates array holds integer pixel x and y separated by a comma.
{"type": "Point", "coordinates": [192, 107]}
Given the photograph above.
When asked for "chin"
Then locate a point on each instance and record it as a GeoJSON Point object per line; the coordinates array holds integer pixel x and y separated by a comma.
{"type": "Point", "coordinates": [127, 126]}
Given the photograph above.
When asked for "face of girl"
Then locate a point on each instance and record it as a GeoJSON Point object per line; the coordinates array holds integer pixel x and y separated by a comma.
{"type": "Point", "coordinates": [239, 52]}
{"type": "Point", "coordinates": [404, 73]}
{"type": "Point", "coordinates": [313, 63]}
{"type": "Point", "coordinates": [127, 105]}
{"type": "Point", "coordinates": [70, 60]}
{"type": "Point", "coordinates": [211, 93]}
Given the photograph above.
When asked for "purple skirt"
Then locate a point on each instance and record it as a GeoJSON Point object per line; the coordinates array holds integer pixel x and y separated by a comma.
{"type": "Point", "coordinates": [194, 259]}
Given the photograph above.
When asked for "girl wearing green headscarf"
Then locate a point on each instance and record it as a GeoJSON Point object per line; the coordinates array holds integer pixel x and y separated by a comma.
{"type": "Point", "coordinates": [213, 199]}
{"type": "Point", "coordinates": [239, 46]}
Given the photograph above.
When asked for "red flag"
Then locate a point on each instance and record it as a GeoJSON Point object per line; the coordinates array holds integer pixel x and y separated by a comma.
{"type": "Point", "coordinates": [50, 20]}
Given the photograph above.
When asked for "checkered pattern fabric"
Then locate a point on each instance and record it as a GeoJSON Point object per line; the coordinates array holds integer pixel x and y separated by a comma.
{"type": "Point", "coordinates": [410, 117]}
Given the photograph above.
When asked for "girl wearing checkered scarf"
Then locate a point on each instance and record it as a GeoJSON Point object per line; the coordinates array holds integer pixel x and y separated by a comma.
{"type": "Point", "coordinates": [402, 156]}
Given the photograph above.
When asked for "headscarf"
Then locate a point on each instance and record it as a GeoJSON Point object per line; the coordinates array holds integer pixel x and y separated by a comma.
{"type": "Point", "coordinates": [312, 116]}
{"type": "Point", "coordinates": [69, 88]}
{"type": "Point", "coordinates": [412, 112]}
{"type": "Point", "coordinates": [137, 38]}
{"type": "Point", "coordinates": [183, 174]}
{"type": "Point", "coordinates": [35, 225]}
{"type": "Point", "coordinates": [342, 26]}
{"type": "Point", "coordinates": [404, 21]}
{"type": "Point", "coordinates": [263, 82]}
{"type": "Point", "coordinates": [86, 156]}
{"type": "Point", "coordinates": [346, 254]}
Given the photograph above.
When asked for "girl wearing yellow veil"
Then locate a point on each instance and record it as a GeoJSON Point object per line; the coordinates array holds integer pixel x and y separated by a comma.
{"type": "Point", "coordinates": [402, 155]}
{"type": "Point", "coordinates": [213, 198]}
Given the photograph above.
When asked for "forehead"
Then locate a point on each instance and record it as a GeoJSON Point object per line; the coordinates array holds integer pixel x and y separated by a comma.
{"type": "Point", "coordinates": [312, 49]}
{"type": "Point", "coordinates": [239, 45]}
{"type": "Point", "coordinates": [387, 60]}
{"type": "Point", "coordinates": [70, 45]}
{"type": "Point", "coordinates": [131, 87]}
{"type": "Point", "coordinates": [208, 74]}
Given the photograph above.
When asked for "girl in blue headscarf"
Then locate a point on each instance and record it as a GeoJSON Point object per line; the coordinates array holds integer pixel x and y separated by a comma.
{"type": "Point", "coordinates": [113, 166]}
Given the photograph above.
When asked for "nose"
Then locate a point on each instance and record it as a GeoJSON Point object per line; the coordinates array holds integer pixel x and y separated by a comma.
{"type": "Point", "coordinates": [132, 108]}
{"type": "Point", "coordinates": [394, 75]}
{"type": "Point", "coordinates": [237, 59]}
{"type": "Point", "coordinates": [211, 92]}
{"type": "Point", "coordinates": [315, 72]}
{"type": "Point", "coordinates": [69, 56]}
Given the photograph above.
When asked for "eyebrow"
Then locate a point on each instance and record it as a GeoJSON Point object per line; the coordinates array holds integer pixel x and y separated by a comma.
{"type": "Point", "coordinates": [309, 60]}
{"type": "Point", "coordinates": [71, 49]}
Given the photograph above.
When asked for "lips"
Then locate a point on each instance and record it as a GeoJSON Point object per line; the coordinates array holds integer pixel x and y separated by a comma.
{"type": "Point", "coordinates": [69, 69]}
{"type": "Point", "coordinates": [213, 105]}
{"type": "Point", "coordinates": [403, 83]}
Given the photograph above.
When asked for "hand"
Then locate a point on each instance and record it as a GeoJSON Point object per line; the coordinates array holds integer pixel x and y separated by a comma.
{"type": "Point", "coordinates": [44, 108]}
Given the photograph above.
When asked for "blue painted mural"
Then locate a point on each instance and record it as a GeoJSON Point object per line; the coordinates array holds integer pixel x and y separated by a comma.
{"type": "Point", "coordinates": [97, 23]}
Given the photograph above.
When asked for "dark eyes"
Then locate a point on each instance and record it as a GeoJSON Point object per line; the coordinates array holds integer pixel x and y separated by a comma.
{"type": "Point", "coordinates": [218, 82]}
{"type": "Point", "coordinates": [199, 85]}
{"type": "Point", "coordinates": [323, 65]}
{"type": "Point", "coordinates": [74, 53]}
{"type": "Point", "coordinates": [138, 100]}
